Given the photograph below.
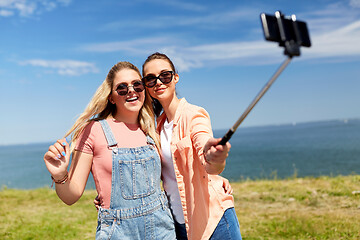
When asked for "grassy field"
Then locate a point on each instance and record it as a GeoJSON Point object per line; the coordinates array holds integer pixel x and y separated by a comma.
{"type": "Point", "coordinates": [299, 208]}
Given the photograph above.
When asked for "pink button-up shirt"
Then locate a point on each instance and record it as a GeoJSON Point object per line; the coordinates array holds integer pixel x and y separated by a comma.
{"type": "Point", "coordinates": [203, 198]}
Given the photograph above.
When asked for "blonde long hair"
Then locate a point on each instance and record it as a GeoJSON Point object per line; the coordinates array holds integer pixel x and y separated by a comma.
{"type": "Point", "coordinates": [100, 108]}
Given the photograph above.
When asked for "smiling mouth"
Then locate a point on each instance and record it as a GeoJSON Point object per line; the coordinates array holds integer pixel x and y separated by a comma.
{"type": "Point", "coordinates": [159, 89]}
{"type": "Point", "coordinates": [133, 99]}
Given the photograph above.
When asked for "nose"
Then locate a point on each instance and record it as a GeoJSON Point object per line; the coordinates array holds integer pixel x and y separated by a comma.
{"type": "Point", "coordinates": [132, 87]}
{"type": "Point", "coordinates": [158, 82]}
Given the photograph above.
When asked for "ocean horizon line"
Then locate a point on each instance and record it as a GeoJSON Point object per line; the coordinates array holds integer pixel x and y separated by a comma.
{"type": "Point", "coordinates": [315, 148]}
{"type": "Point", "coordinates": [345, 120]}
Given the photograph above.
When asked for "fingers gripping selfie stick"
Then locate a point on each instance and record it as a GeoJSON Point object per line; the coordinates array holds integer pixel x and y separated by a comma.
{"type": "Point", "coordinates": [290, 34]}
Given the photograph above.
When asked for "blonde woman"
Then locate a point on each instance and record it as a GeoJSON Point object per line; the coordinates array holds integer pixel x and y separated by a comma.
{"type": "Point", "coordinates": [115, 139]}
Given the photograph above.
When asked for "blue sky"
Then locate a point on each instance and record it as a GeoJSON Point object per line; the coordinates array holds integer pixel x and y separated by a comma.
{"type": "Point", "coordinates": [55, 53]}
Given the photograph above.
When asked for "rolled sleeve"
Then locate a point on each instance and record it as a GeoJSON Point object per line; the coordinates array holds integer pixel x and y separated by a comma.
{"type": "Point", "coordinates": [200, 131]}
{"type": "Point", "coordinates": [85, 142]}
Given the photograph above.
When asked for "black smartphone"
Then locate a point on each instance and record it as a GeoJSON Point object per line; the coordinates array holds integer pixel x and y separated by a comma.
{"type": "Point", "coordinates": [280, 29]}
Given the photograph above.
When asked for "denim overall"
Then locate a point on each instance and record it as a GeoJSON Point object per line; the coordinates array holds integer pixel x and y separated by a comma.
{"type": "Point", "coordinates": [138, 207]}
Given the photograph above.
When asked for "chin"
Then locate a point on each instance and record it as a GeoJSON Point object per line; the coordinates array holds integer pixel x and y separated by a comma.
{"type": "Point", "coordinates": [134, 108]}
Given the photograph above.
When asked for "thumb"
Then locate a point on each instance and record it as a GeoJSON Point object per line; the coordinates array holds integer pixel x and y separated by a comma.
{"type": "Point", "coordinates": [213, 142]}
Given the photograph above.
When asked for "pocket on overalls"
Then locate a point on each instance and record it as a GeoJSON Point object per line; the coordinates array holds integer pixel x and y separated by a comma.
{"type": "Point", "coordinates": [137, 177]}
{"type": "Point", "coordinates": [106, 227]}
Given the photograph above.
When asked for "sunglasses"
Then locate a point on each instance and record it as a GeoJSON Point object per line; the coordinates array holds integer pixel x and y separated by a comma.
{"type": "Point", "coordinates": [123, 88]}
{"type": "Point", "coordinates": [151, 80]}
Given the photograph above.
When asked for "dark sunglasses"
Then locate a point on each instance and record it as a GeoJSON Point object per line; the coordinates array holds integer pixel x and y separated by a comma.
{"type": "Point", "coordinates": [123, 88]}
{"type": "Point", "coordinates": [164, 77]}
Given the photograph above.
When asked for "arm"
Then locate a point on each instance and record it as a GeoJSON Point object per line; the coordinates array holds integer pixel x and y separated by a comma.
{"type": "Point", "coordinates": [206, 146]}
{"type": "Point", "coordinates": [57, 160]}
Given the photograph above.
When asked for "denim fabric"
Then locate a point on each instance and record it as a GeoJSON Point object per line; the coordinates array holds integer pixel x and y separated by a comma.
{"type": "Point", "coordinates": [228, 227]}
{"type": "Point", "coordinates": [138, 207]}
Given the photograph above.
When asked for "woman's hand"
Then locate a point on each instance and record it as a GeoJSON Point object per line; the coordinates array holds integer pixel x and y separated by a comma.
{"type": "Point", "coordinates": [97, 202]}
{"type": "Point", "coordinates": [215, 155]}
{"type": "Point", "coordinates": [227, 187]}
{"type": "Point", "coordinates": [57, 159]}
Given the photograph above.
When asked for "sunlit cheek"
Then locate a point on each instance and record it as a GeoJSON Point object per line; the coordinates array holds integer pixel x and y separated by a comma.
{"type": "Point", "coordinates": [150, 91]}
{"type": "Point", "coordinates": [142, 96]}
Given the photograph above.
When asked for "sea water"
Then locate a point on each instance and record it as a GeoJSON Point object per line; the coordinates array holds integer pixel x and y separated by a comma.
{"type": "Point", "coordinates": [304, 149]}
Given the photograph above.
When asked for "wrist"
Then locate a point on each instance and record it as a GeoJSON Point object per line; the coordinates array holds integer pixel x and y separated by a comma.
{"type": "Point", "coordinates": [60, 175]}
{"type": "Point", "coordinates": [60, 180]}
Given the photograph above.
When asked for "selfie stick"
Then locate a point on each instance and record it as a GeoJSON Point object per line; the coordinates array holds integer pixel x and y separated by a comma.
{"type": "Point", "coordinates": [292, 48]}
{"type": "Point", "coordinates": [231, 131]}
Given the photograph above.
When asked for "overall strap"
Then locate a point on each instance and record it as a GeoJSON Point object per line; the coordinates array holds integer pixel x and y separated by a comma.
{"type": "Point", "coordinates": [149, 140]}
{"type": "Point", "coordinates": [108, 133]}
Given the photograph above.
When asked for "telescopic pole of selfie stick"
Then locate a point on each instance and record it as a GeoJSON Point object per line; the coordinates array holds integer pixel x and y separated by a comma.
{"type": "Point", "coordinates": [232, 130]}
{"type": "Point", "coordinates": [292, 48]}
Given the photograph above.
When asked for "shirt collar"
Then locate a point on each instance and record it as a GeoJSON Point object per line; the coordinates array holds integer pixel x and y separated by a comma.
{"type": "Point", "coordinates": [161, 119]}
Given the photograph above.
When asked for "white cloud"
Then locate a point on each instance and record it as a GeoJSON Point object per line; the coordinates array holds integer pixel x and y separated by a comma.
{"type": "Point", "coordinates": [234, 53]}
{"type": "Point", "coordinates": [63, 67]}
{"type": "Point", "coordinates": [334, 35]}
{"type": "Point", "coordinates": [355, 3]}
{"type": "Point", "coordinates": [339, 43]}
{"type": "Point", "coordinates": [217, 18]}
{"type": "Point", "coordinates": [64, 2]}
{"type": "Point", "coordinates": [207, 21]}
{"type": "Point", "coordinates": [6, 13]}
{"type": "Point", "coordinates": [188, 57]}
{"type": "Point", "coordinates": [190, 6]}
{"type": "Point", "coordinates": [26, 8]}
{"type": "Point", "coordinates": [136, 46]}
{"type": "Point", "coordinates": [331, 17]}
{"type": "Point", "coordinates": [342, 43]}
{"type": "Point", "coordinates": [183, 5]}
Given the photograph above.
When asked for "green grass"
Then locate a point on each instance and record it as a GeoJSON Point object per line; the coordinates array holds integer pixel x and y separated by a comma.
{"type": "Point", "coordinates": [40, 214]}
{"type": "Point", "coordinates": [298, 208]}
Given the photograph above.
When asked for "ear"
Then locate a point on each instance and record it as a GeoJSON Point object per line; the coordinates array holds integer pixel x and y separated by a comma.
{"type": "Point", "coordinates": [111, 99]}
{"type": "Point", "coordinates": [176, 78]}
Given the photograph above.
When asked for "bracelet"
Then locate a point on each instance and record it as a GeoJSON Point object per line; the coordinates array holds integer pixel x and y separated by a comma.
{"type": "Point", "coordinates": [62, 181]}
